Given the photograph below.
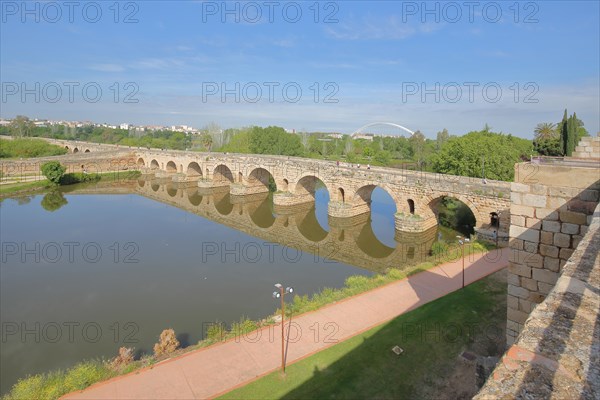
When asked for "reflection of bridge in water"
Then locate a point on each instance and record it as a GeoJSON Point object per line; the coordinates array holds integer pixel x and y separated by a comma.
{"type": "Point", "coordinates": [349, 241]}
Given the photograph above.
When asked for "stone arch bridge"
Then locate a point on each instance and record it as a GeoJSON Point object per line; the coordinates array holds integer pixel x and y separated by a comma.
{"type": "Point", "coordinates": [415, 193]}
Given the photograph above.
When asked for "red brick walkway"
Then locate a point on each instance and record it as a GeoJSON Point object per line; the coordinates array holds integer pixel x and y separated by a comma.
{"type": "Point", "coordinates": [212, 371]}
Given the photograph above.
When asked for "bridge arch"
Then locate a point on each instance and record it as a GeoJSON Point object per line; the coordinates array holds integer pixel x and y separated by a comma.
{"type": "Point", "coordinates": [141, 162]}
{"type": "Point", "coordinates": [75, 150]}
{"type": "Point", "coordinates": [154, 164]}
{"type": "Point", "coordinates": [222, 173]}
{"type": "Point", "coordinates": [260, 175]}
{"type": "Point", "coordinates": [382, 216]}
{"type": "Point", "coordinates": [308, 184]}
{"type": "Point", "coordinates": [194, 169]}
{"type": "Point", "coordinates": [171, 167]}
{"type": "Point", "coordinates": [435, 202]}
{"type": "Point", "coordinates": [87, 151]}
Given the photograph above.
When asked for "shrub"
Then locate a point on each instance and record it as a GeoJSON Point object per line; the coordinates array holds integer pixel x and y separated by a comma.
{"type": "Point", "coordinates": [216, 332]}
{"type": "Point", "coordinates": [439, 248]}
{"type": "Point", "coordinates": [78, 177]}
{"type": "Point", "coordinates": [167, 343]}
{"type": "Point", "coordinates": [124, 358]}
{"type": "Point", "coordinates": [53, 171]}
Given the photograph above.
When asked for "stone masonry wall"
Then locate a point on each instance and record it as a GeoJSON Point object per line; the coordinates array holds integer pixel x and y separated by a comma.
{"type": "Point", "coordinates": [550, 212]}
{"type": "Point", "coordinates": [557, 354]}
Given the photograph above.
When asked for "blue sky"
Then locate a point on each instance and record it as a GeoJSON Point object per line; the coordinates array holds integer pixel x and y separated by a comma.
{"type": "Point", "coordinates": [391, 61]}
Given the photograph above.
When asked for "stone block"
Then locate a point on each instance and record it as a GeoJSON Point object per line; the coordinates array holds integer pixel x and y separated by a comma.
{"type": "Point", "coordinates": [564, 192]}
{"type": "Point", "coordinates": [546, 237]}
{"type": "Point", "coordinates": [517, 220]}
{"type": "Point", "coordinates": [590, 195]}
{"type": "Point", "coordinates": [533, 200]}
{"type": "Point", "coordinates": [545, 288]}
{"type": "Point", "coordinates": [547, 214]}
{"type": "Point", "coordinates": [573, 217]}
{"type": "Point", "coordinates": [515, 198]}
{"type": "Point", "coordinates": [571, 229]}
{"type": "Point", "coordinates": [519, 187]}
{"type": "Point", "coordinates": [521, 270]}
{"type": "Point", "coordinates": [533, 223]}
{"type": "Point", "coordinates": [530, 247]}
{"type": "Point", "coordinates": [557, 203]}
{"type": "Point", "coordinates": [512, 302]}
{"type": "Point", "coordinates": [522, 210]}
{"type": "Point", "coordinates": [516, 315]}
{"type": "Point", "coordinates": [512, 325]}
{"type": "Point", "coordinates": [576, 240]}
{"type": "Point", "coordinates": [551, 264]}
{"type": "Point", "coordinates": [565, 254]}
{"type": "Point", "coordinates": [551, 226]}
{"type": "Point", "coordinates": [513, 279]}
{"type": "Point", "coordinates": [549, 251]}
{"type": "Point", "coordinates": [540, 189]}
{"type": "Point", "coordinates": [562, 240]}
{"type": "Point", "coordinates": [525, 305]}
{"type": "Point", "coordinates": [516, 244]}
{"type": "Point", "coordinates": [536, 297]}
{"type": "Point", "coordinates": [545, 276]}
{"type": "Point", "coordinates": [529, 235]}
{"type": "Point", "coordinates": [518, 291]}
{"type": "Point", "coordinates": [529, 284]}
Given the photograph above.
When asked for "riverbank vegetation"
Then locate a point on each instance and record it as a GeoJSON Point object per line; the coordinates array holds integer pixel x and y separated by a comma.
{"type": "Point", "coordinates": [26, 188]}
{"type": "Point", "coordinates": [55, 384]}
{"type": "Point", "coordinates": [28, 148]}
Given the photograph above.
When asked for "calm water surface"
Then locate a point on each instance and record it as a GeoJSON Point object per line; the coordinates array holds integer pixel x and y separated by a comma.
{"type": "Point", "coordinates": [88, 271]}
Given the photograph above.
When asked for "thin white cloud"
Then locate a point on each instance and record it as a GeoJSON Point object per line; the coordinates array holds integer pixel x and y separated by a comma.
{"type": "Point", "coordinates": [107, 67]}
{"type": "Point", "coordinates": [386, 28]}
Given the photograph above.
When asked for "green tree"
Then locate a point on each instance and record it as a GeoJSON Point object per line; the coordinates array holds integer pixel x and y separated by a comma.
{"type": "Point", "coordinates": [442, 137]}
{"type": "Point", "coordinates": [466, 154]}
{"type": "Point", "coordinates": [275, 140]}
{"type": "Point", "coordinates": [417, 143]}
{"type": "Point", "coordinates": [53, 171]}
{"type": "Point", "coordinates": [545, 131]}
{"type": "Point", "coordinates": [21, 126]}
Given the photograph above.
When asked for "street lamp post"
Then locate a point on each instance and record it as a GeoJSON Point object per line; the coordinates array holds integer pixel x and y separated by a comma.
{"type": "Point", "coordinates": [279, 294]}
{"type": "Point", "coordinates": [461, 242]}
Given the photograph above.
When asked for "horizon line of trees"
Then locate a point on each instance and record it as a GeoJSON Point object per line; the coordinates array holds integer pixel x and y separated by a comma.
{"type": "Point", "coordinates": [482, 153]}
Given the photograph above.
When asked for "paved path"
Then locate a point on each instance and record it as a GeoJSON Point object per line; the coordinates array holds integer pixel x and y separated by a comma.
{"type": "Point", "coordinates": [209, 372]}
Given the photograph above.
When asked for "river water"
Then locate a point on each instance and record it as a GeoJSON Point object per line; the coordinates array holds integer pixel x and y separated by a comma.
{"type": "Point", "coordinates": [93, 268]}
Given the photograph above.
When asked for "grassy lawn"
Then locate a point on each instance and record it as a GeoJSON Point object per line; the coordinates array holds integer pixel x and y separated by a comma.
{"type": "Point", "coordinates": [432, 337]}
{"type": "Point", "coordinates": [16, 188]}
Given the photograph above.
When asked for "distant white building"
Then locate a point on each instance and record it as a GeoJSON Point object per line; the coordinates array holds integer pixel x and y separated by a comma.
{"type": "Point", "coordinates": [365, 136]}
{"type": "Point", "coordinates": [124, 126]}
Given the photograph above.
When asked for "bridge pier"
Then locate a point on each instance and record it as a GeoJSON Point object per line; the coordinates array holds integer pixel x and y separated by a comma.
{"type": "Point", "coordinates": [414, 223]}
{"type": "Point", "coordinates": [163, 174]}
{"type": "Point", "coordinates": [290, 199]}
{"type": "Point", "coordinates": [184, 178]}
{"type": "Point", "coordinates": [338, 209]}
{"type": "Point", "coordinates": [209, 183]}
{"type": "Point", "coordinates": [240, 189]}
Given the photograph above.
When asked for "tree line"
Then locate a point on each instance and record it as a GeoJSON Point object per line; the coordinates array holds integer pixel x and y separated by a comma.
{"type": "Point", "coordinates": [483, 153]}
